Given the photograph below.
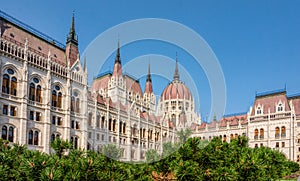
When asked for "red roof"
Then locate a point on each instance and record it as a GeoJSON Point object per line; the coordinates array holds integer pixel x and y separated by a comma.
{"type": "Point", "coordinates": [270, 102]}
{"type": "Point", "coordinates": [37, 45]}
{"type": "Point", "coordinates": [174, 89]}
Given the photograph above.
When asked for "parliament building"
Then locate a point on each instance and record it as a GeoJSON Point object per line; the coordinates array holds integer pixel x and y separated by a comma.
{"type": "Point", "coordinates": [45, 95]}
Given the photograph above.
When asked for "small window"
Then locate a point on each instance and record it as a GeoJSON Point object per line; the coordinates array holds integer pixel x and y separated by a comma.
{"type": "Point", "coordinates": [36, 80]}
{"type": "Point", "coordinates": [40, 49]}
{"type": "Point", "coordinates": [57, 87]}
{"type": "Point", "coordinates": [12, 35]}
{"type": "Point", "coordinates": [282, 144]}
{"type": "Point", "coordinates": [10, 71]}
{"type": "Point", "coordinates": [277, 144]}
{"type": "Point", "coordinates": [55, 55]}
{"type": "Point", "coordinates": [258, 111]}
{"type": "Point", "coordinates": [256, 145]}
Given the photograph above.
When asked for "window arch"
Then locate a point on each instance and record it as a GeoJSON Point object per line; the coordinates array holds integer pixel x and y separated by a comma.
{"type": "Point", "coordinates": [7, 133]}
{"type": "Point", "coordinates": [280, 107]}
{"type": "Point", "coordinates": [283, 131]}
{"type": "Point", "coordinates": [33, 137]}
{"type": "Point", "coordinates": [9, 82]}
{"type": "Point", "coordinates": [75, 103]}
{"type": "Point", "coordinates": [258, 110]}
{"type": "Point", "coordinates": [56, 97]}
{"type": "Point", "coordinates": [256, 134]}
{"type": "Point", "coordinates": [261, 133]}
{"type": "Point", "coordinates": [74, 141]}
{"type": "Point", "coordinates": [35, 90]}
{"type": "Point", "coordinates": [54, 136]}
{"type": "Point", "coordinates": [277, 132]}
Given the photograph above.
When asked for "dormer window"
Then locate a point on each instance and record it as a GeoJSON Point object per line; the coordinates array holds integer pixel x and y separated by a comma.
{"type": "Point", "coordinates": [258, 110]}
{"type": "Point", "coordinates": [280, 107]}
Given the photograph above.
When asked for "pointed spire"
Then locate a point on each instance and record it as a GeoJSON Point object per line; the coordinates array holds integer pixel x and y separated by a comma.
{"type": "Point", "coordinates": [176, 73]}
{"type": "Point", "coordinates": [118, 59]}
{"type": "Point", "coordinates": [118, 66]}
{"type": "Point", "coordinates": [148, 87]}
{"type": "Point", "coordinates": [149, 75]}
{"type": "Point", "coordinates": [84, 64]}
{"type": "Point", "coordinates": [72, 37]}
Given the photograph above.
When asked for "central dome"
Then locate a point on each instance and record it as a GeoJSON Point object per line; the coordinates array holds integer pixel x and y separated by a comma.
{"type": "Point", "coordinates": [176, 89]}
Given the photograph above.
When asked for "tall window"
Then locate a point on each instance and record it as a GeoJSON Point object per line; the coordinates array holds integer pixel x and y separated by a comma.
{"type": "Point", "coordinates": [256, 134]}
{"type": "Point", "coordinates": [33, 137]}
{"type": "Point", "coordinates": [277, 132]}
{"type": "Point", "coordinates": [56, 97]}
{"type": "Point", "coordinates": [280, 107]}
{"type": "Point", "coordinates": [258, 111]}
{"type": "Point", "coordinates": [5, 109]}
{"type": "Point", "coordinates": [75, 103]}
{"type": "Point", "coordinates": [55, 136]}
{"type": "Point", "coordinates": [13, 111]}
{"type": "Point", "coordinates": [283, 131]}
{"type": "Point", "coordinates": [74, 141]}
{"type": "Point", "coordinates": [7, 133]}
{"type": "Point", "coordinates": [9, 82]}
{"type": "Point", "coordinates": [261, 133]}
{"type": "Point", "coordinates": [35, 90]}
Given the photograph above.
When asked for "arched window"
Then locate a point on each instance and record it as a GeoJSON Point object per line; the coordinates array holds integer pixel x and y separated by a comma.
{"type": "Point", "coordinates": [56, 100]}
{"type": "Point", "coordinates": [224, 138]}
{"type": "Point", "coordinates": [90, 119]}
{"type": "Point", "coordinates": [280, 107]}
{"type": "Point", "coordinates": [124, 128]}
{"type": "Point", "coordinates": [4, 132]}
{"type": "Point", "coordinates": [75, 103]}
{"type": "Point", "coordinates": [283, 131]}
{"type": "Point", "coordinates": [98, 121]}
{"type": "Point", "coordinates": [9, 82]}
{"type": "Point", "coordinates": [30, 137]}
{"type": "Point", "coordinates": [261, 133]}
{"type": "Point", "coordinates": [35, 90]}
{"type": "Point", "coordinates": [14, 86]}
{"type": "Point", "coordinates": [55, 136]}
{"type": "Point", "coordinates": [103, 122]}
{"type": "Point", "coordinates": [74, 141]}
{"type": "Point", "coordinates": [7, 133]}
{"type": "Point", "coordinates": [10, 134]}
{"type": "Point", "coordinates": [5, 84]}
{"type": "Point", "coordinates": [114, 125]}
{"type": "Point", "coordinates": [231, 137]}
{"type": "Point", "coordinates": [33, 137]}
{"type": "Point", "coordinates": [258, 111]}
{"type": "Point", "coordinates": [277, 132]}
{"type": "Point", "coordinates": [256, 134]}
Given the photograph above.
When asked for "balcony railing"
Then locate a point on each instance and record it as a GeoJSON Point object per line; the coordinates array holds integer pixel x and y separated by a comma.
{"type": "Point", "coordinates": [277, 136]}
{"type": "Point", "coordinates": [256, 137]}
{"type": "Point", "coordinates": [261, 137]}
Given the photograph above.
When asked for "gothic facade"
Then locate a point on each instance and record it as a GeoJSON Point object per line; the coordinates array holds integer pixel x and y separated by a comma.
{"type": "Point", "coordinates": [45, 95]}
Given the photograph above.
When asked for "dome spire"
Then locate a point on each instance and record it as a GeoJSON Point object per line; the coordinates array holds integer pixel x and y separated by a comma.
{"type": "Point", "coordinates": [149, 75]}
{"type": "Point", "coordinates": [148, 88]}
{"type": "Point", "coordinates": [118, 66]}
{"type": "Point", "coordinates": [118, 59]}
{"type": "Point", "coordinates": [176, 73]}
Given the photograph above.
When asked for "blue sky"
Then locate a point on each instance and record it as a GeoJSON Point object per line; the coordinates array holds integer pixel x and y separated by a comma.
{"type": "Point", "coordinates": [256, 42]}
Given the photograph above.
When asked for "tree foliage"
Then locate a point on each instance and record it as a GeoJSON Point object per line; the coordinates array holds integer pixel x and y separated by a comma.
{"type": "Point", "coordinates": [194, 160]}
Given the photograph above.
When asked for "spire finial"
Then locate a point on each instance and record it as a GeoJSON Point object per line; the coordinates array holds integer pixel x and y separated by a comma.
{"type": "Point", "coordinates": [118, 59]}
{"type": "Point", "coordinates": [149, 75]}
{"type": "Point", "coordinates": [176, 74]}
{"type": "Point", "coordinates": [72, 37]}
